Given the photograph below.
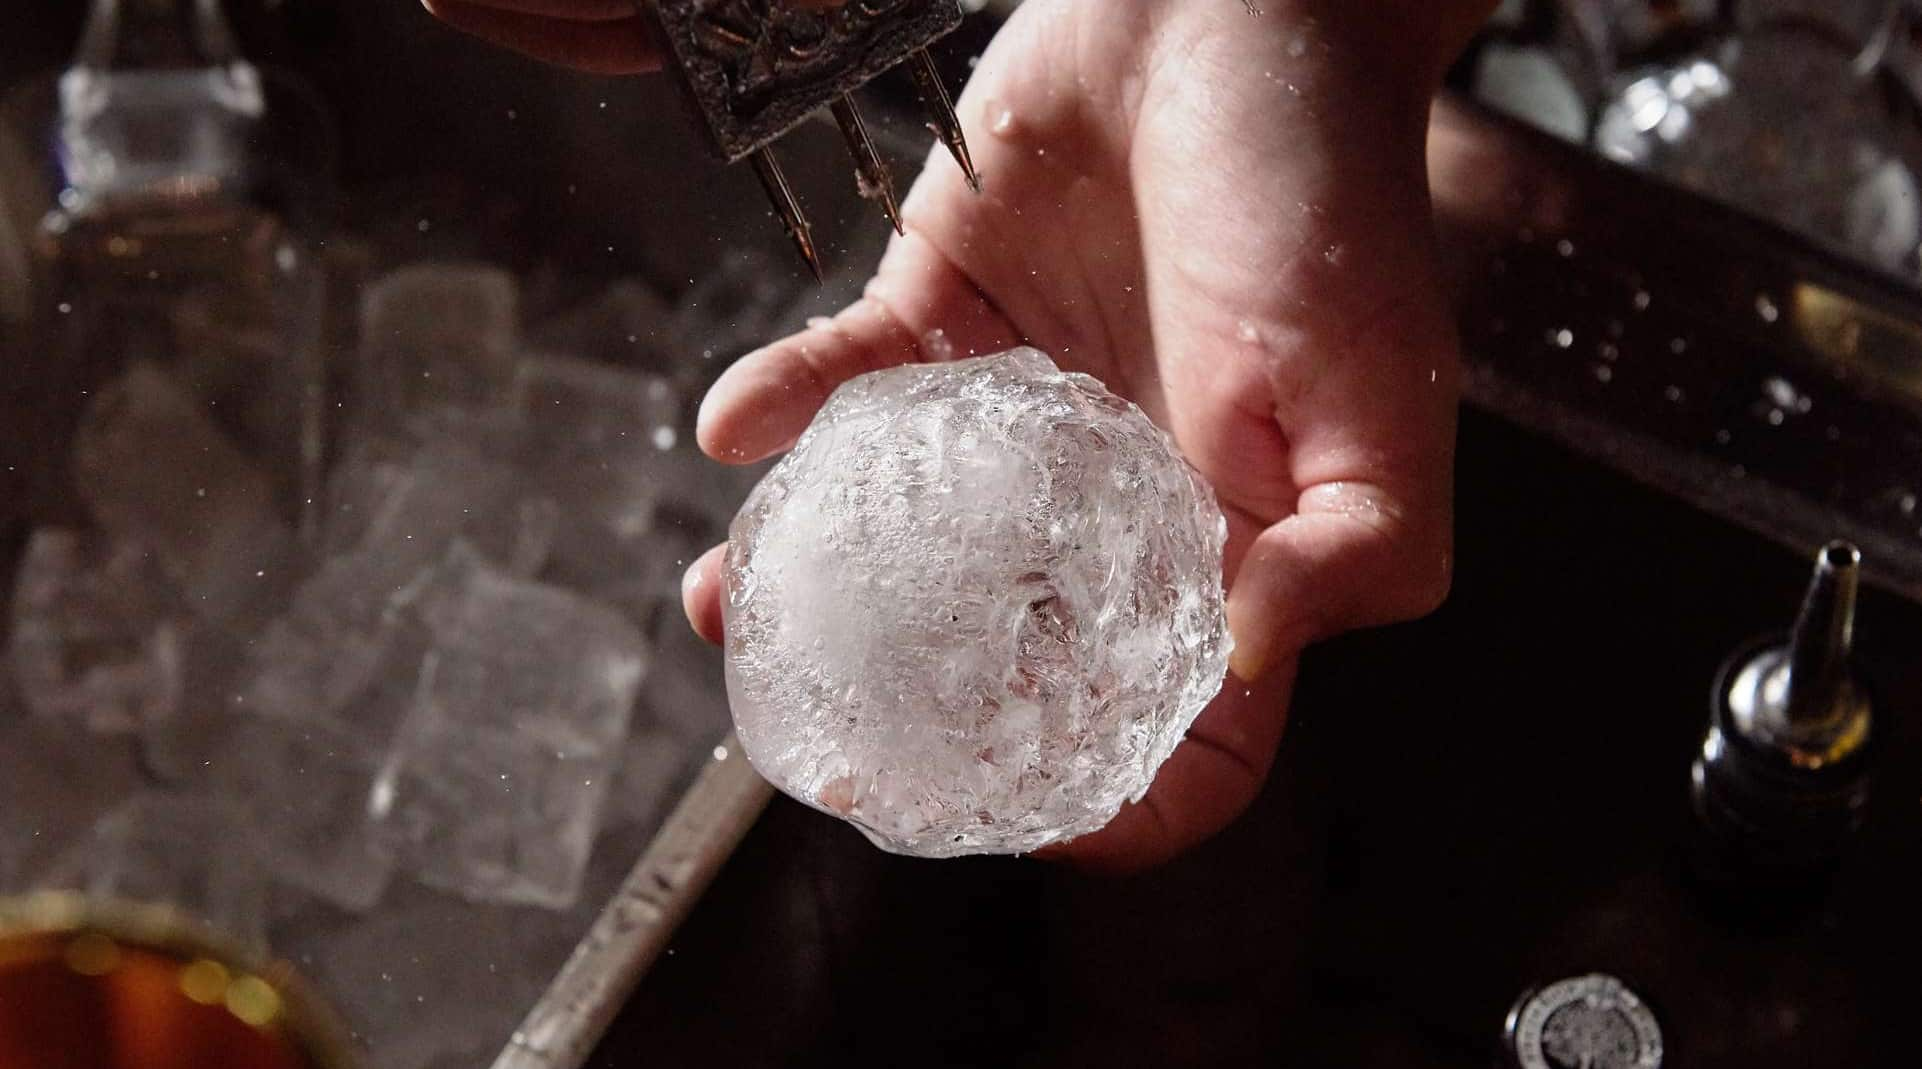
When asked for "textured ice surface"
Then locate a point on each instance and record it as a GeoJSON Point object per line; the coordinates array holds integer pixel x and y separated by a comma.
{"type": "Point", "coordinates": [976, 607]}
{"type": "Point", "coordinates": [511, 743]}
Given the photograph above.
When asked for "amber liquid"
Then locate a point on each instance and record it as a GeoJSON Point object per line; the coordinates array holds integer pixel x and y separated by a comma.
{"type": "Point", "coordinates": [88, 996]}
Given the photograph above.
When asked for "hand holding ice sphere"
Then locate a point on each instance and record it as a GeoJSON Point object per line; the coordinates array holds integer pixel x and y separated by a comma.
{"type": "Point", "coordinates": [1223, 218]}
{"type": "Point", "coordinates": [975, 608]}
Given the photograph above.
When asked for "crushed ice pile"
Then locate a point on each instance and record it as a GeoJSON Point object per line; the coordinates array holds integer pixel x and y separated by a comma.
{"type": "Point", "coordinates": [975, 608]}
{"type": "Point", "coordinates": [412, 739]}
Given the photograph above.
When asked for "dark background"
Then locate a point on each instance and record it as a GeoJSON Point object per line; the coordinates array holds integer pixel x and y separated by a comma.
{"type": "Point", "coordinates": [1464, 807]}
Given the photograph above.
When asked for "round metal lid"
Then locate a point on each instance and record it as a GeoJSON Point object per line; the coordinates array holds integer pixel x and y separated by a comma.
{"type": "Point", "coordinates": [1584, 1022]}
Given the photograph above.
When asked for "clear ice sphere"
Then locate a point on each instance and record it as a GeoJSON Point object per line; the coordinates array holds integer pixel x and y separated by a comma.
{"type": "Point", "coordinates": [975, 608]}
{"type": "Point", "coordinates": [97, 632]}
{"type": "Point", "coordinates": [508, 752]}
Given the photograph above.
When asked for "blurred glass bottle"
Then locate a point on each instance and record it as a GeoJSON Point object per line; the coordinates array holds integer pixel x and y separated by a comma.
{"type": "Point", "coordinates": [1795, 114]}
{"type": "Point", "coordinates": [168, 382]}
{"type": "Point", "coordinates": [1549, 62]}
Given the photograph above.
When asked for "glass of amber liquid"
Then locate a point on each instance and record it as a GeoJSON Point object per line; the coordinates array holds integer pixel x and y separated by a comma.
{"type": "Point", "coordinates": [92, 983]}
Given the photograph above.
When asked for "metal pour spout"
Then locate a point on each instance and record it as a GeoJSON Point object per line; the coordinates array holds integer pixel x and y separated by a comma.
{"type": "Point", "coordinates": [1823, 640]}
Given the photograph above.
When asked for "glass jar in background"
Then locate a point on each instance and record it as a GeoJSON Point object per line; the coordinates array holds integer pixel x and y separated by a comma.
{"type": "Point", "coordinates": [1793, 114]}
{"type": "Point", "coordinates": [167, 382]}
{"type": "Point", "coordinates": [162, 206]}
{"type": "Point", "coordinates": [1550, 63]}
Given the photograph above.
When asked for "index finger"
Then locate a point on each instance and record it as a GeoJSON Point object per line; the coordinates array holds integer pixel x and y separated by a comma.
{"type": "Point", "coordinates": [919, 307]}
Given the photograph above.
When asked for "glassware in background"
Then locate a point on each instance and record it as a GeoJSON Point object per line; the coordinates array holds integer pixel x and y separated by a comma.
{"type": "Point", "coordinates": [142, 986]}
{"type": "Point", "coordinates": [1550, 62]}
{"type": "Point", "coordinates": [1790, 116]}
{"type": "Point", "coordinates": [165, 394]}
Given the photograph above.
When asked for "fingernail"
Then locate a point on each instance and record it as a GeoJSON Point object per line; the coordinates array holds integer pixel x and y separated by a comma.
{"type": "Point", "coordinates": [690, 585]}
{"type": "Point", "coordinates": [1249, 659]}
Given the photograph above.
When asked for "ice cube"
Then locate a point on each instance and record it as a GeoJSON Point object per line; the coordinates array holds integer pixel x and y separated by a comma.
{"type": "Point", "coordinates": [309, 785]}
{"type": "Point", "coordinates": [154, 469]}
{"type": "Point", "coordinates": [431, 980]}
{"type": "Point", "coordinates": [97, 632]}
{"type": "Point", "coordinates": [451, 491]}
{"type": "Point", "coordinates": [629, 324]}
{"type": "Point", "coordinates": [194, 854]}
{"type": "Point", "coordinates": [436, 335]}
{"type": "Point", "coordinates": [508, 753]}
{"type": "Point", "coordinates": [584, 406]}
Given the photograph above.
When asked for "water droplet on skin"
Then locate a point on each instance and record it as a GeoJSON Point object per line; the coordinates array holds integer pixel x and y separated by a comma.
{"type": "Point", "coordinates": [1765, 307]}
{"type": "Point", "coordinates": [936, 344]}
{"type": "Point", "coordinates": [1334, 254]}
{"type": "Point", "coordinates": [1298, 46]}
{"type": "Point", "coordinates": [820, 323]}
{"type": "Point", "coordinates": [1247, 332]}
{"type": "Point", "coordinates": [1003, 125]}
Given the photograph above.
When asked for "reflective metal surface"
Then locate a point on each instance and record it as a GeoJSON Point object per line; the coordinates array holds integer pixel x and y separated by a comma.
{"type": "Point", "coordinates": [1584, 1022]}
{"type": "Point", "coordinates": [1691, 346]}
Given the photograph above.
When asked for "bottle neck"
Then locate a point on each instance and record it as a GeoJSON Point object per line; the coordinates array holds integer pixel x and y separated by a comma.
{"type": "Point", "coordinates": [155, 35]}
